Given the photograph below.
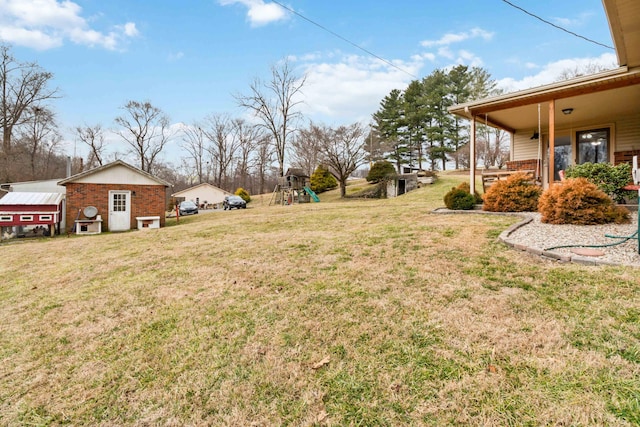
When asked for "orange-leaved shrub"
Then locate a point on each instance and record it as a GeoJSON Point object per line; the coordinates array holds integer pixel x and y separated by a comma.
{"type": "Point", "coordinates": [515, 194]}
{"type": "Point", "coordinates": [578, 201]}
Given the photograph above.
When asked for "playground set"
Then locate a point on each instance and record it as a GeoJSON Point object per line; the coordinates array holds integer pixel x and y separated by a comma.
{"type": "Point", "coordinates": [293, 187]}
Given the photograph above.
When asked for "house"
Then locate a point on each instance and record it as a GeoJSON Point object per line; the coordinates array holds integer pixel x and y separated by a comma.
{"type": "Point", "coordinates": [594, 118]}
{"type": "Point", "coordinates": [125, 197]}
{"type": "Point", "coordinates": [202, 194]}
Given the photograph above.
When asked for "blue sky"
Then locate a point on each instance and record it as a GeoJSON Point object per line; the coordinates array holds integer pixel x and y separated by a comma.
{"type": "Point", "coordinates": [189, 58]}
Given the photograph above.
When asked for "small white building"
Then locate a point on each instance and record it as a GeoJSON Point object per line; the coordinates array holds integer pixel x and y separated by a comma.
{"type": "Point", "coordinates": [204, 194]}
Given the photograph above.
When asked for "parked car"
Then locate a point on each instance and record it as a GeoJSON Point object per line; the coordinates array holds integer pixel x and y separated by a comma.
{"type": "Point", "coordinates": [188, 208]}
{"type": "Point", "coordinates": [231, 202]}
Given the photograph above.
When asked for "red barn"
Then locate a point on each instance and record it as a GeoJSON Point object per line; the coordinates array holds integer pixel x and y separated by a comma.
{"type": "Point", "coordinates": [30, 209]}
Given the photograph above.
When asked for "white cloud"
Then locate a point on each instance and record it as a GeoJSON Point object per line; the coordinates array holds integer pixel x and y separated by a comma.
{"type": "Point", "coordinates": [456, 57]}
{"type": "Point", "coordinates": [552, 71]}
{"type": "Point", "coordinates": [451, 38]}
{"type": "Point", "coordinates": [175, 56]}
{"type": "Point", "coordinates": [45, 24]}
{"type": "Point", "coordinates": [30, 38]}
{"type": "Point", "coordinates": [468, 58]}
{"type": "Point", "coordinates": [446, 52]}
{"type": "Point", "coordinates": [350, 88]}
{"type": "Point", "coordinates": [129, 29]}
{"type": "Point", "coordinates": [259, 13]}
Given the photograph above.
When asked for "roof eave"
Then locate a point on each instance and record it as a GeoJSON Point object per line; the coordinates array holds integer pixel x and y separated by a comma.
{"type": "Point", "coordinates": [546, 92]}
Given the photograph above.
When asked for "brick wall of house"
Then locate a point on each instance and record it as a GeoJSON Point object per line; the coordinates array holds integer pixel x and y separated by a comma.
{"type": "Point", "coordinates": [519, 165]}
{"type": "Point", "coordinates": [146, 200]}
{"type": "Point", "coordinates": [625, 156]}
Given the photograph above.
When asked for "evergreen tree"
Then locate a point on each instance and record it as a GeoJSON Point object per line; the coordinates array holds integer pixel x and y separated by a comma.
{"type": "Point", "coordinates": [389, 121]}
{"type": "Point", "coordinates": [322, 180]}
{"type": "Point", "coordinates": [380, 171]}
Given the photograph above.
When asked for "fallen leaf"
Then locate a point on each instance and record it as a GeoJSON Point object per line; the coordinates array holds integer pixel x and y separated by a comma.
{"type": "Point", "coordinates": [492, 369]}
{"type": "Point", "coordinates": [321, 363]}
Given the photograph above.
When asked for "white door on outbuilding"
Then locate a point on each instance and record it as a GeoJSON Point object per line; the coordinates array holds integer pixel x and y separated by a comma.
{"type": "Point", "coordinates": [119, 210]}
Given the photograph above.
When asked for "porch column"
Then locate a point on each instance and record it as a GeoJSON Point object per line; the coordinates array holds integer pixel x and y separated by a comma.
{"type": "Point", "coordinates": [552, 140]}
{"type": "Point", "coordinates": [472, 155]}
{"type": "Point", "coordinates": [512, 142]}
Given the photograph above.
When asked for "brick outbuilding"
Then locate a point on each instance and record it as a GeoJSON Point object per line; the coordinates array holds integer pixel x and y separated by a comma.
{"type": "Point", "coordinates": [121, 193]}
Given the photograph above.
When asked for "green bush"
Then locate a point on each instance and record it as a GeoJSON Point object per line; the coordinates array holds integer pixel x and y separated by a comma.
{"type": "Point", "coordinates": [578, 201]}
{"type": "Point", "coordinates": [606, 177]}
{"type": "Point", "coordinates": [381, 171]}
{"type": "Point", "coordinates": [322, 180]}
{"type": "Point", "coordinates": [515, 194]}
{"type": "Point", "coordinates": [243, 193]}
{"type": "Point", "coordinates": [466, 187]}
{"type": "Point", "coordinates": [458, 199]}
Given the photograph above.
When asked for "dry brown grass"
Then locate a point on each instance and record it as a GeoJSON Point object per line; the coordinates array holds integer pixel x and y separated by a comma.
{"type": "Point", "coordinates": [224, 318]}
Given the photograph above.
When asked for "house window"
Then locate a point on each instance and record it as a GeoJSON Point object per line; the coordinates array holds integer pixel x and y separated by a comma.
{"type": "Point", "coordinates": [593, 146]}
{"type": "Point", "coordinates": [6, 218]}
{"type": "Point", "coordinates": [45, 217]}
{"type": "Point", "coordinates": [119, 202]}
{"type": "Point", "coordinates": [26, 218]}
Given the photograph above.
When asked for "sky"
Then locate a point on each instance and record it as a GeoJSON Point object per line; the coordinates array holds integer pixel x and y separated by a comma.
{"type": "Point", "coordinates": [192, 58]}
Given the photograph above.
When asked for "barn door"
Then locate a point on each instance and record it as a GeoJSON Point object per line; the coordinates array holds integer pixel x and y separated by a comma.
{"type": "Point", "coordinates": [119, 210]}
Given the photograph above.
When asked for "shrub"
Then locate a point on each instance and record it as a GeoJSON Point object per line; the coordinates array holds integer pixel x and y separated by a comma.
{"type": "Point", "coordinates": [381, 171]}
{"type": "Point", "coordinates": [607, 177]}
{"type": "Point", "coordinates": [243, 193]}
{"type": "Point", "coordinates": [578, 201]}
{"type": "Point", "coordinates": [515, 194]}
{"type": "Point", "coordinates": [322, 180]}
{"type": "Point", "coordinates": [458, 199]}
{"type": "Point", "coordinates": [466, 187]}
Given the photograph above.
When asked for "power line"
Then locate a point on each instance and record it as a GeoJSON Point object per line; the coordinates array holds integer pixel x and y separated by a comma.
{"type": "Point", "coordinates": [557, 26]}
{"type": "Point", "coordinates": [343, 39]}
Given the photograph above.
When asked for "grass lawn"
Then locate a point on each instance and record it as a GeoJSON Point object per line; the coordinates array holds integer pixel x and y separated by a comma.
{"type": "Point", "coordinates": [344, 312]}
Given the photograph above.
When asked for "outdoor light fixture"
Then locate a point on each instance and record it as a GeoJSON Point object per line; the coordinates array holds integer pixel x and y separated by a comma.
{"type": "Point", "coordinates": [535, 135]}
{"type": "Point", "coordinates": [567, 111]}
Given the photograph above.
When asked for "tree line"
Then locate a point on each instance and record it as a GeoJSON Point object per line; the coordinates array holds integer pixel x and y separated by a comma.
{"type": "Point", "coordinates": [412, 127]}
{"type": "Point", "coordinates": [226, 151]}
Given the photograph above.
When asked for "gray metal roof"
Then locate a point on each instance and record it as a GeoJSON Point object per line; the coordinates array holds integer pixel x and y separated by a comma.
{"type": "Point", "coordinates": [22, 198]}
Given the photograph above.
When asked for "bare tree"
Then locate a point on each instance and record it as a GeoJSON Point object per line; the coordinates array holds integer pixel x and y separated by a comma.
{"type": "Point", "coordinates": [342, 151]}
{"type": "Point", "coordinates": [39, 136]}
{"type": "Point", "coordinates": [193, 141]}
{"type": "Point", "coordinates": [263, 158]}
{"type": "Point", "coordinates": [23, 87]}
{"type": "Point", "coordinates": [492, 146]}
{"type": "Point", "coordinates": [146, 130]}
{"type": "Point", "coordinates": [247, 137]}
{"type": "Point", "coordinates": [274, 104]}
{"type": "Point", "coordinates": [222, 147]}
{"type": "Point", "coordinates": [584, 70]}
{"type": "Point", "coordinates": [306, 150]}
{"type": "Point", "coordinates": [93, 137]}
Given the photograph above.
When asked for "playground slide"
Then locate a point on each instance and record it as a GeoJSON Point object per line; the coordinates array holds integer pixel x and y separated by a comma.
{"type": "Point", "coordinates": [313, 195]}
